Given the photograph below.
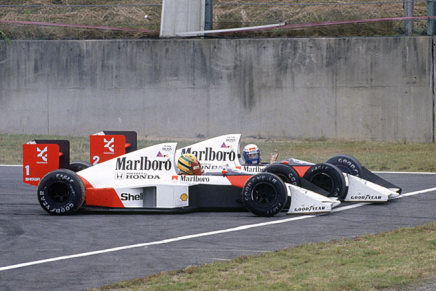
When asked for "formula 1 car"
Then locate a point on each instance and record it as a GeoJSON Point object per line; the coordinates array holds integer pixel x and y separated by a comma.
{"type": "Point", "coordinates": [342, 176]}
{"type": "Point", "coordinates": [147, 180]}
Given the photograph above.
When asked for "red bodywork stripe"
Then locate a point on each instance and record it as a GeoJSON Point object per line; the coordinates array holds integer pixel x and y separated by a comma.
{"type": "Point", "coordinates": [106, 197]}
{"type": "Point", "coordinates": [238, 181]}
{"type": "Point", "coordinates": [301, 170]}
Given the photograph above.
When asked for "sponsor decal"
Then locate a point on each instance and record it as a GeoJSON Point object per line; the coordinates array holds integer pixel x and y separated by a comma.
{"type": "Point", "coordinates": [119, 175]}
{"type": "Point", "coordinates": [175, 179]}
{"type": "Point", "coordinates": [350, 165]}
{"type": "Point", "coordinates": [142, 164]}
{"type": "Point", "coordinates": [194, 179]}
{"type": "Point", "coordinates": [42, 154]}
{"type": "Point", "coordinates": [160, 155]}
{"type": "Point", "coordinates": [208, 154]}
{"type": "Point", "coordinates": [135, 176]}
{"type": "Point", "coordinates": [167, 148]}
{"type": "Point", "coordinates": [253, 169]}
{"type": "Point", "coordinates": [65, 177]}
{"type": "Point", "coordinates": [364, 197]}
{"type": "Point", "coordinates": [208, 166]}
{"type": "Point", "coordinates": [32, 179]}
{"type": "Point", "coordinates": [184, 197]}
{"type": "Point", "coordinates": [224, 145]}
{"type": "Point", "coordinates": [132, 197]}
{"type": "Point", "coordinates": [109, 144]}
{"type": "Point", "coordinates": [230, 138]}
{"type": "Point", "coordinates": [309, 208]}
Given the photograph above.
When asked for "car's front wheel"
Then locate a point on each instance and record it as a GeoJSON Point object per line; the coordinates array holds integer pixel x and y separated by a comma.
{"type": "Point", "coordinates": [329, 178]}
{"type": "Point", "coordinates": [264, 194]}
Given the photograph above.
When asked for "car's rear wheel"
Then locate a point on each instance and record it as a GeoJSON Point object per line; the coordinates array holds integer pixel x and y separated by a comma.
{"type": "Point", "coordinates": [347, 164]}
{"type": "Point", "coordinates": [264, 194]}
{"type": "Point", "coordinates": [61, 192]}
{"type": "Point", "coordinates": [79, 166]}
{"type": "Point", "coordinates": [329, 178]}
{"type": "Point", "coordinates": [284, 172]}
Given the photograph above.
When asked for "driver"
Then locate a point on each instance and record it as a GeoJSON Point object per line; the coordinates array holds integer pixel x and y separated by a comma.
{"type": "Point", "coordinates": [251, 155]}
{"type": "Point", "coordinates": [189, 165]}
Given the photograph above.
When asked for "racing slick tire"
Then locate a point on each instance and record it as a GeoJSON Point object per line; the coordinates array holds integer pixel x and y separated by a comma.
{"type": "Point", "coordinates": [329, 178]}
{"type": "Point", "coordinates": [61, 192]}
{"type": "Point", "coordinates": [79, 166]}
{"type": "Point", "coordinates": [284, 172]}
{"type": "Point", "coordinates": [264, 194]}
{"type": "Point", "coordinates": [347, 164]}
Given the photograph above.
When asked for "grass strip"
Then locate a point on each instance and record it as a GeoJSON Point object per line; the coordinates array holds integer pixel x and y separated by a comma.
{"type": "Point", "coordinates": [395, 259]}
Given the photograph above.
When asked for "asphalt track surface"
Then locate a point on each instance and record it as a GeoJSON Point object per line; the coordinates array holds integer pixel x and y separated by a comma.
{"type": "Point", "coordinates": [43, 252]}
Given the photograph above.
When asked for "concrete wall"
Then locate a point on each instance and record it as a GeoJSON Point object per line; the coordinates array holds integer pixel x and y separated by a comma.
{"type": "Point", "coordinates": [340, 88]}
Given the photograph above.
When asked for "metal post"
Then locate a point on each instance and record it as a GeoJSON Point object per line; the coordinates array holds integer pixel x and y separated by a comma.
{"type": "Point", "coordinates": [408, 12]}
{"type": "Point", "coordinates": [208, 15]}
{"type": "Point", "coordinates": [431, 22]}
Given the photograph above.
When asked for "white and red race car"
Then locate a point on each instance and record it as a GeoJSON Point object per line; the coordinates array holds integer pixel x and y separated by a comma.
{"type": "Point", "coordinates": [147, 180]}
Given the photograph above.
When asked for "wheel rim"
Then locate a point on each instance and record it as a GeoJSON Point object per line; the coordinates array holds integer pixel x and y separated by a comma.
{"type": "Point", "coordinates": [59, 193]}
{"type": "Point", "coordinates": [264, 195]}
{"type": "Point", "coordinates": [323, 181]}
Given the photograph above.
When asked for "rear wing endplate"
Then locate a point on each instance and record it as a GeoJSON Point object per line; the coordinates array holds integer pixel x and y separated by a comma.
{"type": "Point", "coordinates": [106, 145]}
{"type": "Point", "coordinates": [43, 156]}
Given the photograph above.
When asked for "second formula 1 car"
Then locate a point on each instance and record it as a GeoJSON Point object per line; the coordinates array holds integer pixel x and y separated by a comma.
{"type": "Point", "coordinates": [341, 176]}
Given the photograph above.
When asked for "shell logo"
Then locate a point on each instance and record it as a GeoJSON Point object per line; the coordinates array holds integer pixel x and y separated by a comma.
{"type": "Point", "coordinates": [184, 197]}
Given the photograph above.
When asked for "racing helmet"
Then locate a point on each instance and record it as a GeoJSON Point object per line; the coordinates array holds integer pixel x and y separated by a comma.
{"type": "Point", "coordinates": [251, 154]}
{"type": "Point", "coordinates": [189, 164]}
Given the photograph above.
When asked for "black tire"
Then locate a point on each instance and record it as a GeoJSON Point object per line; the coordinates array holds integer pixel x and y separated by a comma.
{"type": "Point", "coordinates": [284, 172]}
{"type": "Point", "coordinates": [61, 192]}
{"type": "Point", "coordinates": [329, 178]}
{"type": "Point", "coordinates": [347, 164]}
{"type": "Point", "coordinates": [79, 166]}
{"type": "Point", "coordinates": [264, 194]}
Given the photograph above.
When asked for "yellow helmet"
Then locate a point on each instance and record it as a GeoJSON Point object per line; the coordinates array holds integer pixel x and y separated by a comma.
{"type": "Point", "coordinates": [189, 164]}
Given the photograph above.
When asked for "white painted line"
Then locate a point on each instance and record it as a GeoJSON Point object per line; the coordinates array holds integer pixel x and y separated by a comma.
{"type": "Point", "coordinates": [11, 165]}
{"type": "Point", "coordinates": [407, 173]}
{"type": "Point", "coordinates": [188, 237]}
{"type": "Point", "coordinates": [417, 192]}
{"type": "Point", "coordinates": [165, 241]}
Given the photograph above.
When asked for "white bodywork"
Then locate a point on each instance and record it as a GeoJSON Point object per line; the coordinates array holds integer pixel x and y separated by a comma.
{"type": "Point", "coordinates": [304, 201]}
{"type": "Point", "coordinates": [360, 190]}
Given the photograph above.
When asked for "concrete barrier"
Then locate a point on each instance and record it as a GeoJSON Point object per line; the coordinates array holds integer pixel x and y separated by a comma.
{"type": "Point", "coordinates": [337, 88]}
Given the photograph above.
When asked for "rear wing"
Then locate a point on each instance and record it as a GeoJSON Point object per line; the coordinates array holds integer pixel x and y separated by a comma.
{"type": "Point", "coordinates": [43, 156]}
{"type": "Point", "coordinates": [106, 145]}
